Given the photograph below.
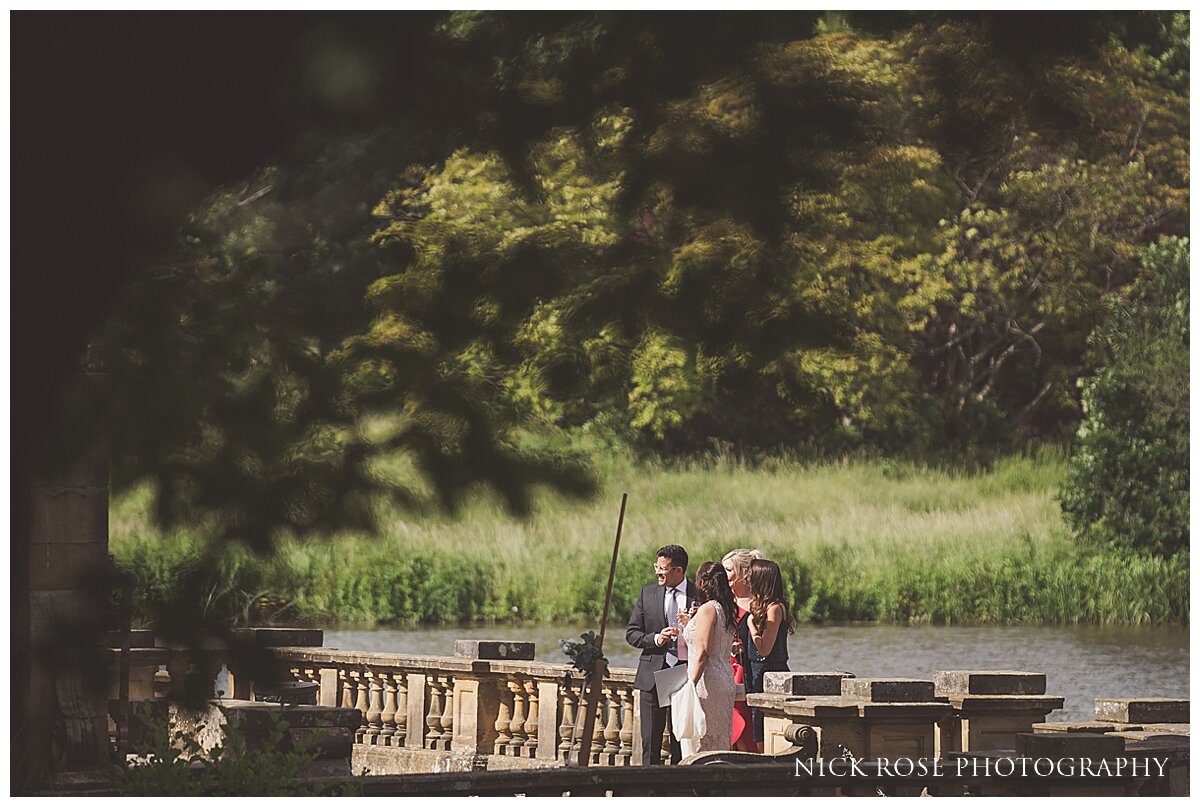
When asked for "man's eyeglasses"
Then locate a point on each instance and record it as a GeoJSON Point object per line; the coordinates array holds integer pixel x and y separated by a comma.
{"type": "Point", "coordinates": [662, 569]}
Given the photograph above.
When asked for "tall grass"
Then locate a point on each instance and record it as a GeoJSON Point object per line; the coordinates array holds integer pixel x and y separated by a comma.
{"type": "Point", "coordinates": [865, 540]}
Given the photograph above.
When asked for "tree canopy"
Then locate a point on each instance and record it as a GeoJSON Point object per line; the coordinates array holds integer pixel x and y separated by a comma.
{"type": "Point", "coordinates": [802, 231]}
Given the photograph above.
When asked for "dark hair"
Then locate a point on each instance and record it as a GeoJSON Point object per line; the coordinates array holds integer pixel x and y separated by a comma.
{"type": "Point", "coordinates": [712, 583]}
{"type": "Point", "coordinates": [766, 588]}
{"type": "Point", "coordinates": [674, 553]}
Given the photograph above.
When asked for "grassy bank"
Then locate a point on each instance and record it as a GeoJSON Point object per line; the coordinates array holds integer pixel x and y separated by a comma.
{"type": "Point", "coordinates": [872, 540]}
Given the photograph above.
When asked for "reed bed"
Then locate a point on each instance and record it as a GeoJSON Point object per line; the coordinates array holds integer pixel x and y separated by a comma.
{"type": "Point", "coordinates": [874, 540]}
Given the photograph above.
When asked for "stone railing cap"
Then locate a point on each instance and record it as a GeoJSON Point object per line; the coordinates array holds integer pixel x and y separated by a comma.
{"type": "Point", "coordinates": [989, 682]}
{"type": "Point", "coordinates": [1143, 710]}
{"type": "Point", "coordinates": [888, 690]}
{"type": "Point", "coordinates": [1046, 703]}
{"type": "Point", "coordinates": [494, 649]}
{"type": "Point", "coordinates": [1075, 727]}
{"type": "Point", "coordinates": [805, 683]}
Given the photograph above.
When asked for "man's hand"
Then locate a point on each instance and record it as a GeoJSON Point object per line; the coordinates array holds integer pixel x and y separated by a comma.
{"type": "Point", "coordinates": [665, 635]}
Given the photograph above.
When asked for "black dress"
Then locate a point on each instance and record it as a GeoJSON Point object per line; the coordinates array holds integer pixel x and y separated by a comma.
{"type": "Point", "coordinates": [759, 666]}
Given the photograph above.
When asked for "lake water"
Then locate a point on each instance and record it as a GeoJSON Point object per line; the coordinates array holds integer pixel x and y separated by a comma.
{"type": "Point", "coordinates": [1080, 663]}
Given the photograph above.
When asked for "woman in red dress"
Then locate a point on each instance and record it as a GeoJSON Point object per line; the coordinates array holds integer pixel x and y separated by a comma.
{"type": "Point", "coordinates": [737, 565]}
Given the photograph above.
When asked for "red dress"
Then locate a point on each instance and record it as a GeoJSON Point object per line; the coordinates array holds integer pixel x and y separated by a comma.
{"type": "Point", "coordinates": [742, 720]}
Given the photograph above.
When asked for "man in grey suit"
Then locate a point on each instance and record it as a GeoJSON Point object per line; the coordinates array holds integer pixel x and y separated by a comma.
{"type": "Point", "coordinates": [654, 627]}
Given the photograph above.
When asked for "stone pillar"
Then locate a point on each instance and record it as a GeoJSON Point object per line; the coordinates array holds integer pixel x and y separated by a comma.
{"type": "Point", "coordinates": [415, 736]}
{"type": "Point", "coordinates": [787, 686]}
{"type": "Point", "coordinates": [991, 708]}
{"type": "Point", "coordinates": [548, 720]}
{"type": "Point", "coordinates": [329, 687]}
{"type": "Point", "coordinates": [61, 604]}
{"type": "Point", "coordinates": [477, 696]}
{"type": "Point", "coordinates": [476, 705]}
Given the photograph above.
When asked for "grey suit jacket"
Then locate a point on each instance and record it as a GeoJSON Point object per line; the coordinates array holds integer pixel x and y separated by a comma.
{"type": "Point", "coordinates": [647, 619]}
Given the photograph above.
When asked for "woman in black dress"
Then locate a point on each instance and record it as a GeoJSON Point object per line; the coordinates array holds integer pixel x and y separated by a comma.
{"type": "Point", "coordinates": [769, 624]}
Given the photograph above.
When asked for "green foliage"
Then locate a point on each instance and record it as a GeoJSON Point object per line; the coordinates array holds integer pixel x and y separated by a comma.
{"type": "Point", "coordinates": [584, 654]}
{"type": "Point", "coordinates": [928, 545]}
{"type": "Point", "coordinates": [1129, 481]}
{"type": "Point", "coordinates": [174, 763]}
{"type": "Point", "coordinates": [893, 258]}
{"type": "Point", "coordinates": [797, 233]}
{"type": "Point", "coordinates": [241, 377]}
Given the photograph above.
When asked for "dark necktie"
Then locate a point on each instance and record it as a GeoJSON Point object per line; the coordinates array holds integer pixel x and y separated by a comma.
{"type": "Point", "coordinates": [677, 649]}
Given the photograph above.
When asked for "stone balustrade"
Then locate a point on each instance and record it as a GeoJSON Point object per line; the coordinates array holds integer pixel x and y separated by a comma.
{"type": "Point", "coordinates": [469, 711]}
{"type": "Point", "coordinates": [491, 706]}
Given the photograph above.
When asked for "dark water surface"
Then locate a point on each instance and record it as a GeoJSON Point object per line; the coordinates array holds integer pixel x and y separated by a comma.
{"type": "Point", "coordinates": [1080, 663]}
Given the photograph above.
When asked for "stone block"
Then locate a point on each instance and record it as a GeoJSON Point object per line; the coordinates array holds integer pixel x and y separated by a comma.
{"type": "Point", "coordinates": [1143, 742]}
{"type": "Point", "coordinates": [283, 637]}
{"type": "Point", "coordinates": [259, 718]}
{"type": "Point", "coordinates": [948, 683]}
{"type": "Point", "coordinates": [55, 566]}
{"type": "Point", "coordinates": [1061, 745]}
{"type": "Point", "coordinates": [493, 650]}
{"type": "Point", "coordinates": [888, 690]}
{"type": "Point", "coordinates": [804, 683]}
{"type": "Point", "coordinates": [1184, 729]}
{"type": "Point", "coordinates": [68, 515]}
{"type": "Point", "coordinates": [996, 704]}
{"type": "Point", "coordinates": [1143, 710]}
{"type": "Point", "coordinates": [1086, 727]}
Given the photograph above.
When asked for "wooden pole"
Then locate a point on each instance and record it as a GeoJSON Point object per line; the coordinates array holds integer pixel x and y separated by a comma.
{"type": "Point", "coordinates": [592, 698]}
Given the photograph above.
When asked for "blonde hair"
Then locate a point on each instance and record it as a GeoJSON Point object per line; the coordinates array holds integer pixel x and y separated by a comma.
{"type": "Point", "coordinates": [741, 558]}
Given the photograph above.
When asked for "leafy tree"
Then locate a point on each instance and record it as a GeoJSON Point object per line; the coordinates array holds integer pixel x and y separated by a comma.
{"type": "Point", "coordinates": [916, 267]}
{"type": "Point", "coordinates": [892, 238]}
{"type": "Point", "coordinates": [1129, 485]}
{"type": "Point", "coordinates": [233, 387]}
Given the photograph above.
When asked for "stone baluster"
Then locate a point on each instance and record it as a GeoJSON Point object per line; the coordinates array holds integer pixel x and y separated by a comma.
{"type": "Point", "coordinates": [360, 702]}
{"type": "Point", "coordinates": [567, 694]}
{"type": "Point", "coordinates": [447, 717]}
{"type": "Point", "coordinates": [306, 675]}
{"type": "Point", "coordinates": [597, 755]}
{"type": "Point", "coordinates": [612, 726]}
{"type": "Point", "coordinates": [504, 721]}
{"type": "Point", "coordinates": [398, 739]}
{"type": "Point", "coordinates": [531, 722]}
{"type": "Point", "coordinates": [346, 688]}
{"type": "Point", "coordinates": [625, 692]}
{"type": "Point", "coordinates": [387, 717]}
{"type": "Point", "coordinates": [580, 719]}
{"type": "Point", "coordinates": [517, 726]}
{"type": "Point", "coordinates": [433, 716]}
{"type": "Point", "coordinates": [374, 713]}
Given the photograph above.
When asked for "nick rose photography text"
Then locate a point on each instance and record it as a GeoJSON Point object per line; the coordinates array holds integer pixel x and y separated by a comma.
{"type": "Point", "coordinates": [985, 766]}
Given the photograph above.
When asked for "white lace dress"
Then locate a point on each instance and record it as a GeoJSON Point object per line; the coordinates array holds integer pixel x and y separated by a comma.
{"type": "Point", "coordinates": [715, 688]}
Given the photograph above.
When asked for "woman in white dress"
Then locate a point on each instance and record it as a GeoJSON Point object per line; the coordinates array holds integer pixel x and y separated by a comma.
{"type": "Point", "coordinates": [709, 636]}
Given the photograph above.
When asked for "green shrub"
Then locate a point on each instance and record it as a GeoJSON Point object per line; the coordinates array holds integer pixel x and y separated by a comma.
{"type": "Point", "coordinates": [1127, 486]}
